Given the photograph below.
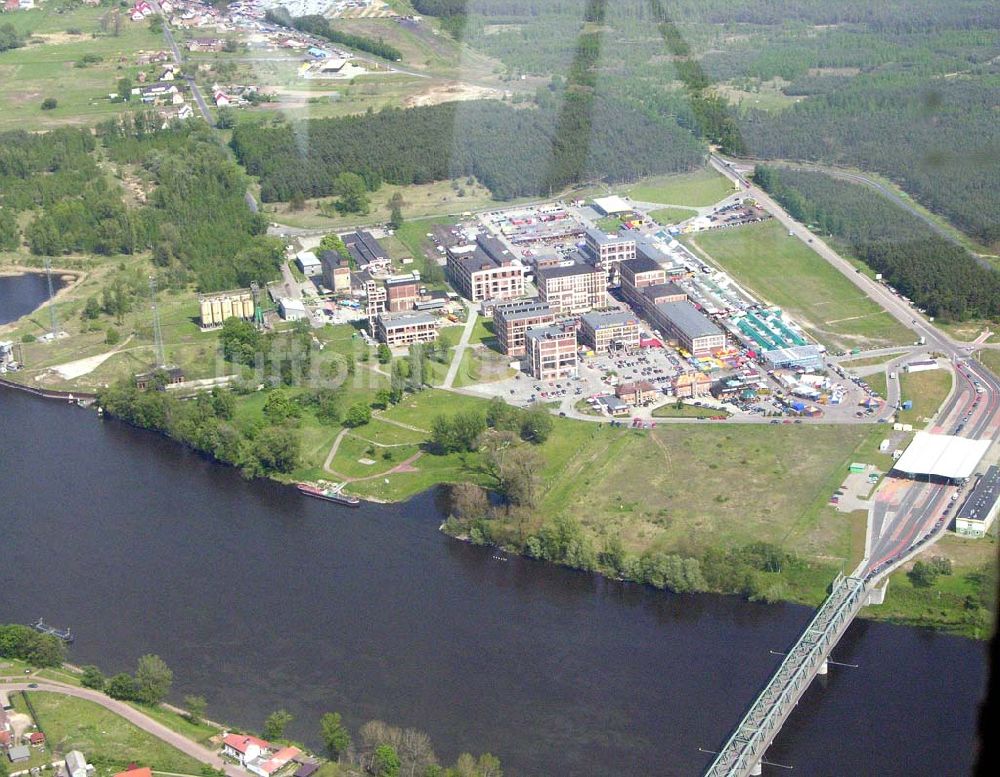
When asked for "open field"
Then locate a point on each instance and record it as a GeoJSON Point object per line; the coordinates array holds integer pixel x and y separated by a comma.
{"type": "Point", "coordinates": [685, 488]}
{"type": "Point", "coordinates": [46, 67]}
{"type": "Point", "coordinates": [785, 272]}
{"type": "Point", "coordinates": [700, 188]}
{"type": "Point", "coordinates": [927, 390]}
{"type": "Point", "coordinates": [78, 724]}
{"type": "Point", "coordinates": [990, 358]}
{"type": "Point", "coordinates": [877, 381]}
{"type": "Point", "coordinates": [765, 96]}
{"type": "Point", "coordinates": [870, 361]}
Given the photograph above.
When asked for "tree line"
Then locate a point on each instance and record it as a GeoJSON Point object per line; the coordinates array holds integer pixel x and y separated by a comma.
{"type": "Point", "coordinates": [936, 274]}
{"type": "Point", "coordinates": [26, 644]}
{"type": "Point", "coordinates": [320, 26]}
{"type": "Point", "coordinates": [10, 38]}
{"type": "Point", "coordinates": [513, 152]}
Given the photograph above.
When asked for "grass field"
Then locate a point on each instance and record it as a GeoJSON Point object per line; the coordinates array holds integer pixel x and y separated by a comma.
{"type": "Point", "coordinates": [870, 360]}
{"type": "Point", "coordinates": [990, 358]}
{"type": "Point", "coordinates": [686, 411]}
{"type": "Point", "coordinates": [46, 67]}
{"type": "Point", "coordinates": [78, 724]}
{"type": "Point", "coordinates": [667, 216]}
{"type": "Point", "coordinates": [877, 381]}
{"type": "Point", "coordinates": [927, 390]}
{"type": "Point", "coordinates": [698, 189]}
{"type": "Point", "coordinates": [785, 272]}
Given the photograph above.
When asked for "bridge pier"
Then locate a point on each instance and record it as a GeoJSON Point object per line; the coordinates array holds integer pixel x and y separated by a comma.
{"type": "Point", "coordinates": [876, 595]}
{"type": "Point", "coordinates": [823, 668]}
{"type": "Point", "coordinates": [756, 769]}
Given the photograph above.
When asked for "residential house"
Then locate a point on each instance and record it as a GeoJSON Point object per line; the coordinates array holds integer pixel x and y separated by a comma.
{"type": "Point", "coordinates": [244, 747]}
{"type": "Point", "coordinates": [308, 769]}
{"type": "Point", "coordinates": [18, 753]}
{"type": "Point", "coordinates": [638, 393]}
{"type": "Point", "coordinates": [36, 738]}
{"type": "Point", "coordinates": [139, 771]}
{"type": "Point", "coordinates": [161, 93]}
{"type": "Point", "coordinates": [692, 384]}
{"type": "Point", "coordinates": [206, 44]}
{"type": "Point", "coordinates": [76, 765]}
{"type": "Point", "coordinates": [266, 765]}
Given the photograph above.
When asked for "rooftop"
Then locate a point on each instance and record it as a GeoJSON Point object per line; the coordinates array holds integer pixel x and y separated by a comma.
{"type": "Point", "coordinates": [549, 333]}
{"type": "Point", "coordinates": [613, 204]}
{"type": "Point", "coordinates": [600, 237]}
{"type": "Point", "coordinates": [688, 319]}
{"type": "Point", "coordinates": [406, 318]}
{"type": "Point", "coordinates": [364, 247]}
{"type": "Point", "coordinates": [577, 268]}
{"type": "Point", "coordinates": [641, 264]}
{"type": "Point", "coordinates": [525, 308]}
{"type": "Point", "coordinates": [603, 318]}
{"type": "Point", "coordinates": [662, 290]}
{"type": "Point", "coordinates": [942, 455]}
{"type": "Point", "coordinates": [983, 497]}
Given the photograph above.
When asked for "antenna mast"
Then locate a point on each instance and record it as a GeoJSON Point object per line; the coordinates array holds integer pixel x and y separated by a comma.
{"type": "Point", "coordinates": [161, 359]}
{"type": "Point", "coordinates": [52, 300]}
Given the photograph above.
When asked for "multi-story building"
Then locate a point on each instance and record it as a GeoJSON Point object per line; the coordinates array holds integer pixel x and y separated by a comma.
{"type": "Point", "coordinates": [576, 288]}
{"type": "Point", "coordinates": [689, 385]}
{"type": "Point", "coordinates": [402, 292]}
{"type": "Point", "coordinates": [608, 251]}
{"type": "Point", "coordinates": [486, 270]}
{"type": "Point", "coordinates": [640, 272]}
{"type": "Point", "coordinates": [336, 272]}
{"type": "Point", "coordinates": [376, 298]}
{"type": "Point", "coordinates": [637, 393]}
{"type": "Point", "coordinates": [217, 307]}
{"type": "Point", "coordinates": [366, 251]}
{"type": "Point", "coordinates": [551, 352]}
{"type": "Point", "coordinates": [610, 330]}
{"type": "Point", "coordinates": [512, 319]}
{"type": "Point", "coordinates": [407, 328]}
{"type": "Point", "coordinates": [684, 324]}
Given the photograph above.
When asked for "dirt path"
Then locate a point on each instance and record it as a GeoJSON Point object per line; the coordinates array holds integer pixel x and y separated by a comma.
{"type": "Point", "coordinates": [136, 718]}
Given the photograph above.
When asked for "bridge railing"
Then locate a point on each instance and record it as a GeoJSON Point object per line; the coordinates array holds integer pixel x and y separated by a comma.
{"type": "Point", "coordinates": [745, 748]}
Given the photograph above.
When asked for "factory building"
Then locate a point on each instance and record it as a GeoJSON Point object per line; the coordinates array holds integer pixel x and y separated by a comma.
{"type": "Point", "coordinates": [682, 323]}
{"type": "Point", "coordinates": [396, 329]}
{"type": "Point", "coordinates": [217, 307]}
{"type": "Point", "coordinates": [309, 263]}
{"type": "Point", "coordinates": [576, 288]}
{"type": "Point", "coordinates": [486, 270]}
{"type": "Point", "coordinates": [402, 292]}
{"type": "Point", "coordinates": [551, 352]}
{"type": "Point", "coordinates": [336, 272]}
{"type": "Point", "coordinates": [366, 251]}
{"type": "Point", "coordinates": [609, 330]}
{"type": "Point", "coordinates": [511, 320]}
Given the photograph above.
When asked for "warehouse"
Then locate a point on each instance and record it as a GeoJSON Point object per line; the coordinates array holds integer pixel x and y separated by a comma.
{"type": "Point", "coordinates": [611, 206]}
{"type": "Point", "coordinates": [980, 509]}
{"type": "Point", "coordinates": [366, 251]}
{"type": "Point", "coordinates": [684, 324]}
{"type": "Point", "coordinates": [806, 357]}
{"type": "Point", "coordinates": [309, 263]}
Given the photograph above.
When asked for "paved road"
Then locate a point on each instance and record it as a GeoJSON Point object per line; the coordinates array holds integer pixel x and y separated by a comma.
{"type": "Point", "coordinates": [137, 718]}
{"type": "Point", "coordinates": [463, 344]}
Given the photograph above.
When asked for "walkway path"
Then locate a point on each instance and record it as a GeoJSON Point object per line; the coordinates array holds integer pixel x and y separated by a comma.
{"type": "Point", "coordinates": [460, 349]}
{"type": "Point", "coordinates": [136, 718]}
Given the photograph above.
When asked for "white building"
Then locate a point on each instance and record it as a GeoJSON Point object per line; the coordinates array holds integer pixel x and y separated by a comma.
{"type": "Point", "coordinates": [292, 309]}
{"type": "Point", "coordinates": [309, 263]}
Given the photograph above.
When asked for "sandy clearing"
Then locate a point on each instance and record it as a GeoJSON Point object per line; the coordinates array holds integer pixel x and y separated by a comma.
{"type": "Point", "coordinates": [452, 92]}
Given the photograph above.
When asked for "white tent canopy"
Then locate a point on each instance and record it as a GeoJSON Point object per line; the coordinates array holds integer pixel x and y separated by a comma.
{"type": "Point", "coordinates": [942, 455]}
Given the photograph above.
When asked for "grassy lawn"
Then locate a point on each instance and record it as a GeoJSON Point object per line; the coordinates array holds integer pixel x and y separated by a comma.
{"type": "Point", "coordinates": [869, 361]}
{"type": "Point", "coordinates": [667, 216]}
{"type": "Point", "coordinates": [991, 359]}
{"type": "Point", "coordinates": [46, 67]}
{"type": "Point", "coordinates": [609, 224]}
{"type": "Point", "coordinates": [14, 667]}
{"type": "Point", "coordinates": [40, 756]}
{"type": "Point", "coordinates": [200, 732]}
{"type": "Point", "coordinates": [878, 383]}
{"type": "Point", "coordinates": [71, 723]}
{"type": "Point", "coordinates": [686, 411]}
{"type": "Point", "coordinates": [945, 605]}
{"type": "Point", "coordinates": [785, 272]}
{"type": "Point", "coordinates": [927, 390]}
{"type": "Point", "coordinates": [700, 188]}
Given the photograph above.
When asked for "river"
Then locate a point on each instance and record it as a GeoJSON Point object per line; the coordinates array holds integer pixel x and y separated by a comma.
{"type": "Point", "coordinates": [261, 599]}
{"type": "Point", "coordinates": [20, 294]}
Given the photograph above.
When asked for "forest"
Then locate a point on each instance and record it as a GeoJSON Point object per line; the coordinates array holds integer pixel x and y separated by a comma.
{"type": "Point", "coordinates": [936, 274]}
{"type": "Point", "coordinates": [197, 220]}
{"type": "Point", "coordinates": [320, 26]}
{"type": "Point", "coordinates": [513, 152]}
{"type": "Point", "coordinates": [905, 88]}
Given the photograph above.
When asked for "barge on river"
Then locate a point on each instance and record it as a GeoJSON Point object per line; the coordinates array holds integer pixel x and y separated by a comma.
{"type": "Point", "coordinates": [66, 635]}
{"type": "Point", "coordinates": [329, 493]}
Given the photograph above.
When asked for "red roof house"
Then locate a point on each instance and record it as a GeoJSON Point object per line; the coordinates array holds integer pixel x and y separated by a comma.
{"type": "Point", "coordinates": [36, 738]}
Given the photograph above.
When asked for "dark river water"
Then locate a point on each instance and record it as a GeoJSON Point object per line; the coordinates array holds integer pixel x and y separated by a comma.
{"type": "Point", "coordinates": [20, 294]}
{"type": "Point", "coordinates": [260, 599]}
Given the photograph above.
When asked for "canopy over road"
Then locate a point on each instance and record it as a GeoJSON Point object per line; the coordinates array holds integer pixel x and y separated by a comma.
{"type": "Point", "coordinates": [942, 455]}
